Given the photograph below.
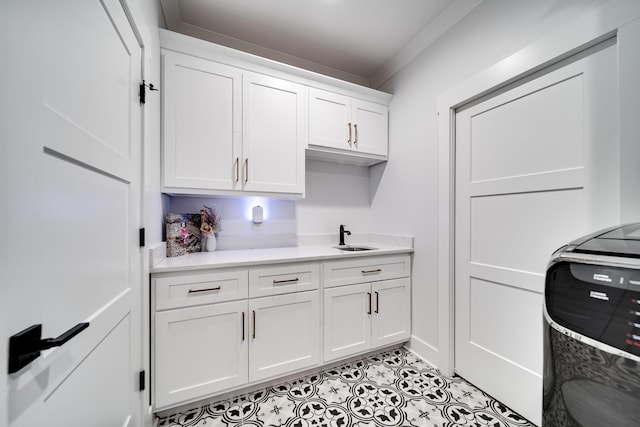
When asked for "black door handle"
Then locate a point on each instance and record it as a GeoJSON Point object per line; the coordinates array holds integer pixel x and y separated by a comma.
{"type": "Point", "coordinates": [26, 345]}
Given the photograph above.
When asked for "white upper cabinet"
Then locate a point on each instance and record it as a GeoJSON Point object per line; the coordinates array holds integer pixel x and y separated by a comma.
{"type": "Point", "coordinates": [237, 124]}
{"type": "Point", "coordinates": [329, 119]}
{"type": "Point", "coordinates": [343, 125]}
{"type": "Point", "coordinates": [274, 134]}
{"type": "Point", "coordinates": [229, 131]}
{"type": "Point", "coordinates": [370, 127]}
{"type": "Point", "coordinates": [202, 123]}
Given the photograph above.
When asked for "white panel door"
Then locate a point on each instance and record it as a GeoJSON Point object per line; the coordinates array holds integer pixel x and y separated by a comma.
{"type": "Point", "coordinates": [71, 212]}
{"type": "Point", "coordinates": [347, 320]}
{"type": "Point", "coordinates": [200, 351]}
{"type": "Point", "coordinates": [285, 334]}
{"type": "Point", "coordinates": [274, 134]}
{"type": "Point", "coordinates": [201, 123]}
{"type": "Point", "coordinates": [537, 166]}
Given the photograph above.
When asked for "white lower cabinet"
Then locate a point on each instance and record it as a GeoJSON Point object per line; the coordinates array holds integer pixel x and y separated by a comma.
{"type": "Point", "coordinates": [211, 334]}
{"type": "Point", "coordinates": [200, 351]}
{"type": "Point", "coordinates": [217, 330]}
{"type": "Point", "coordinates": [285, 334]}
{"type": "Point", "coordinates": [361, 317]}
{"type": "Point", "coordinates": [347, 322]}
{"type": "Point", "coordinates": [366, 304]}
{"type": "Point", "coordinates": [391, 313]}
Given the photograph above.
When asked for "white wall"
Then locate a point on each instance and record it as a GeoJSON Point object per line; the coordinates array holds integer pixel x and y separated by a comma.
{"type": "Point", "coordinates": [405, 191]}
{"type": "Point", "coordinates": [335, 194]}
{"type": "Point", "coordinates": [238, 231]}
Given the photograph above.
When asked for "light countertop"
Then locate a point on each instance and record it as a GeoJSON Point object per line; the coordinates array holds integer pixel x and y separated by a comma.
{"type": "Point", "coordinates": [310, 248]}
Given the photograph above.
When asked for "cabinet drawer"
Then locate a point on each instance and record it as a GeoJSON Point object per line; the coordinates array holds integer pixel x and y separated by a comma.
{"type": "Point", "coordinates": [283, 279]}
{"type": "Point", "coordinates": [366, 269]}
{"type": "Point", "coordinates": [188, 289]}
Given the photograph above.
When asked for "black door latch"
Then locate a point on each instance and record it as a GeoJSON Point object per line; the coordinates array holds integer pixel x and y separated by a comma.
{"type": "Point", "coordinates": [26, 345]}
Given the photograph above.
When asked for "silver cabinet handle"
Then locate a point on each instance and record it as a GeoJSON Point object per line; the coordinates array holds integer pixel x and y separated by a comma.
{"type": "Point", "coordinates": [254, 325]}
{"type": "Point", "coordinates": [243, 326]}
{"type": "Point", "coordinates": [197, 291]}
{"type": "Point", "coordinates": [246, 170]}
{"type": "Point", "coordinates": [355, 140]}
{"type": "Point", "coordinates": [281, 282]}
{"type": "Point", "coordinates": [377, 302]}
{"type": "Point", "coordinates": [237, 169]}
{"type": "Point", "coordinates": [376, 271]}
{"type": "Point", "coordinates": [369, 296]}
{"type": "Point", "coordinates": [349, 140]}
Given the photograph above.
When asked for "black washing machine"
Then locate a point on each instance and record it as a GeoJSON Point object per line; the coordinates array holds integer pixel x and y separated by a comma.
{"type": "Point", "coordinates": [591, 372]}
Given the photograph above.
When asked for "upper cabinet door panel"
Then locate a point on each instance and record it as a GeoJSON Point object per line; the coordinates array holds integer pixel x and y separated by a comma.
{"type": "Point", "coordinates": [371, 124]}
{"type": "Point", "coordinates": [274, 134]}
{"type": "Point", "coordinates": [329, 119]}
{"type": "Point", "coordinates": [348, 127]}
{"type": "Point", "coordinates": [202, 122]}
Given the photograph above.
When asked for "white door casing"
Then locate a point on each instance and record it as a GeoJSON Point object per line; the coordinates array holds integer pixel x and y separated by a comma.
{"type": "Point", "coordinates": [536, 167]}
{"type": "Point", "coordinates": [71, 211]}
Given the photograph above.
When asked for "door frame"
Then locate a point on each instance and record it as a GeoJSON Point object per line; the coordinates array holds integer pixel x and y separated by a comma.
{"type": "Point", "coordinates": [621, 19]}
{"type": "Point", "coordinates": [143, 30]}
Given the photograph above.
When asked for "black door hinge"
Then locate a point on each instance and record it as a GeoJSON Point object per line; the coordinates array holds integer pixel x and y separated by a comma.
{"type": "Point", "coordinates": [143, 91]}
{"type": "Point", "coordinates": [142, 237]}
{"type": "Point", "coordinates": [141, 381]}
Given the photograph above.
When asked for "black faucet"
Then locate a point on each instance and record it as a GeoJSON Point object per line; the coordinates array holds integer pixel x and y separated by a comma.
{"type": "Point", "coordinates": [342, 233]}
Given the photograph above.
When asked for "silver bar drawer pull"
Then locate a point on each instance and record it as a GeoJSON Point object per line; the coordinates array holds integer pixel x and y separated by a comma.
{"type": "Point", "coordinates": [282, 282]}
{"type": "Point", "coordinates": [377, 270]}
{"type": "Point", "coordinates": [197, 291]}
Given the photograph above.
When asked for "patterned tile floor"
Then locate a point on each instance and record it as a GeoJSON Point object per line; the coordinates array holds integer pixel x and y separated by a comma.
{"type": "Point", "coordinates": [394, 388]}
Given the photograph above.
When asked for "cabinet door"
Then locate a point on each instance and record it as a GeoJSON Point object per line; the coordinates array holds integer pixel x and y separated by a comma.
{"type": "Point", "coordinates": [391, 320]}
{"type": "Point", "coordinates": [285, 334]}
{"type": "Point", "coordinates": [347, 320]}
{"type": "Point", "coordinates": [201, 123]}
{"type": "Point", "coordinates": [199, 351]}
{"type": "Point", "coordinates": [274, 134]}
{"type": "Point", "coordinates": [371, 127]}
{"type": "Point", "coordinates": [330, 120]}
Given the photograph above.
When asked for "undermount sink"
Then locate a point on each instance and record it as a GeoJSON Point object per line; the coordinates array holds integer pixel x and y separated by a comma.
{"type": "Point", "coordinates": [354, 248]}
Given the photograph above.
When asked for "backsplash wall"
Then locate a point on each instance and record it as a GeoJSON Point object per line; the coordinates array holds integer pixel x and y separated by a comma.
{"type": "Point", "coordinates": [335, 194]}
{"type": "Point", "coordinates": [238, 231]}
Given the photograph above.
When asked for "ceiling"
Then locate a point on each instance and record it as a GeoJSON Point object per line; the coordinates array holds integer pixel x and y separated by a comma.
{"type": "Point", "coordinates": [363, 41]}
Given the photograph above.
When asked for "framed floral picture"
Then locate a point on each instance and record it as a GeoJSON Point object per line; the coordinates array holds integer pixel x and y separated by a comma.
{"type": "Point", "coordinates": [183, 233]}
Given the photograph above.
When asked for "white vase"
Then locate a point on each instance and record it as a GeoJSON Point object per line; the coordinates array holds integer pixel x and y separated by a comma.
{"type": "Point", "coordinates": [211, 243]}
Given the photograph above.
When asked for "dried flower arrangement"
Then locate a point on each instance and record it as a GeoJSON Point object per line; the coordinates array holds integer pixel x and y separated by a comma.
{"type": "Point", "coordinates": [210, 220]}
